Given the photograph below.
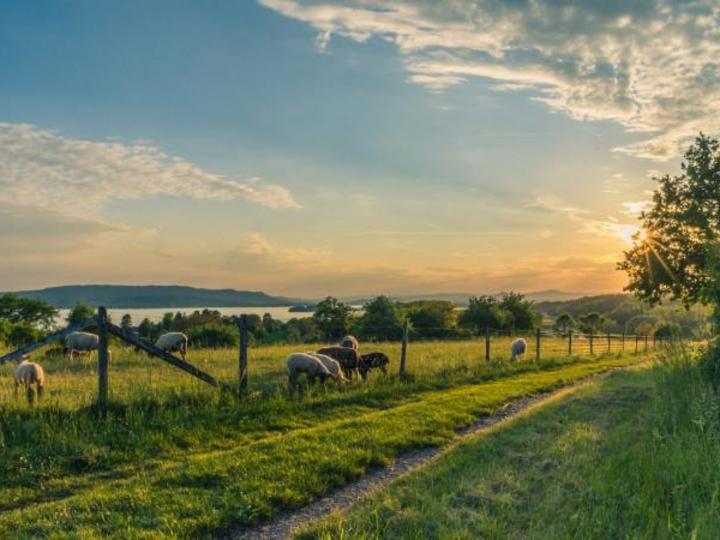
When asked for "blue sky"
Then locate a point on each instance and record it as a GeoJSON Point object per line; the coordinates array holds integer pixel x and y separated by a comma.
{"type": "Point", "coordinates": [356, 147]}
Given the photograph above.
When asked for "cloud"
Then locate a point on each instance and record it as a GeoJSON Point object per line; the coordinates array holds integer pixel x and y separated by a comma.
{"type": "Point", "coordinates": [651, 66]}
{"type": "Point", "coordinates": [76, 177]}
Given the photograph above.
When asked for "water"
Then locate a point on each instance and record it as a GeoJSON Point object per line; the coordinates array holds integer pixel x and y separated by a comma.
{"type": "Point", "coordinates": [156, 314]}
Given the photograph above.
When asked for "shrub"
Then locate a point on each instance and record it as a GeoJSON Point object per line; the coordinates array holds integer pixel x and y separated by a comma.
{"type": "Point", "coordinates": [213, 336]}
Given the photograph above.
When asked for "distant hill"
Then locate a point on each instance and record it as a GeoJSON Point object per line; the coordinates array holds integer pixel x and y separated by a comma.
{"type": "Point", "coordinates": [603, 303]}
{"type": "Point", "coordinates": [153, 296]}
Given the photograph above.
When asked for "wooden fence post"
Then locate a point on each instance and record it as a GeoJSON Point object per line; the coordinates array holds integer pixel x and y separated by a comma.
{"type": "Point", "coordinates": [102, 356]}
{"type": "Point", "coordinates": [243, 358]}
{"type": "Point", "coordinates": [591, 343]}
{"type": "Point", "coordinates": [646, 343]}
{"type": "Point", "coordinates": [537, 345]}
{"type": "Point", "coordinates": [570, 342]}
{"type": "Point", "coordinates": [403, 348]}
{"type": "Point", "coordinates": [487, 344]}
{"type": "Point", "coordinates": [623, 341]}
{"type": "Point", "coordinates": [637, 338]}
{"type": "Point", "coordinates": [609, 345]}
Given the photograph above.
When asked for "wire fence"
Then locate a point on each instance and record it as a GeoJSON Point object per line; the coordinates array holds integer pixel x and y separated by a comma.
{"type": "Point", "coordinates": [424, 351]}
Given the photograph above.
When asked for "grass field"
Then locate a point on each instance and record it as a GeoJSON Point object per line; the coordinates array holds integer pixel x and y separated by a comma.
{"type": "Point", "coordinates": [632, 456]}
{"type": "Point", "coordinates": [174, 457]}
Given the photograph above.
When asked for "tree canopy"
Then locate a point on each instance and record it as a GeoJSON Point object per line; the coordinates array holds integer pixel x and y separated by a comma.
{"type": "Point", "coordinates": [16, 309]}
{"type": "Point", "coordinates": [669, 254]}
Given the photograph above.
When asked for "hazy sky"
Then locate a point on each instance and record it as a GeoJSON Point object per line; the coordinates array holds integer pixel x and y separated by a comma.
{"type": "Point", "coordinates": [342, 147]}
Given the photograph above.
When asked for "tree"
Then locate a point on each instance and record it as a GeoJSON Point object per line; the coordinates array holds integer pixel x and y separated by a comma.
{"type": "Point", "coordinates": [592, 323]}
{"type": "Point", "coordinates": [564, 323]}
{"type": "Point", "coordinates": [669, 256]}
{"type": "Point", "coordinates": [80, 313]}
{"type": "Point", "coordinates": [432, 318]}
{"type": "Point", "coordinates": [126, 321]}
{"type": "Point", "coordinates": [523, 314]}
{"type": "Point", "coordinates": [16, 309]}
{"type": "Point", "coordinates": [333, 318]}
{"type": "Point", "coordinates": [484, 312]}
{"type": "Point", "coordinates": [382, 320]}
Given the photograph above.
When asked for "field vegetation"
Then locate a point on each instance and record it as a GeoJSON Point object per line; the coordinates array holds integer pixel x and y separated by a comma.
{"type": "Point", "coordinates": [632, 456]}
{"type": "Point", "coordinates": [174, 457]}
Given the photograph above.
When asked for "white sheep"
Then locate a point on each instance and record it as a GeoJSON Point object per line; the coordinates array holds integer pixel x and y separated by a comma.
{"type": "Point", "coordinates": [350, 342]}
{"type": "Point", "coordinates": [298, 363]}
{"type": "Point", "coordinates": [26, 374]}
{"type": "Point", "coordinates": [517, 348]}
{"type": "Point", "coordinates": [80, 343]}
{"type": "Point", "coordinates": [173, 341]}
{"type": "Point", "coordinates": [332, 365]}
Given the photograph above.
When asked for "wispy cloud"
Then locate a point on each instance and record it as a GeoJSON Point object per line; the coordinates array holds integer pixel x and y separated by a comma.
{"type": "Point", "coordinates": [76, 177]}
{"type": "Point", "coordinates": [651, 66]}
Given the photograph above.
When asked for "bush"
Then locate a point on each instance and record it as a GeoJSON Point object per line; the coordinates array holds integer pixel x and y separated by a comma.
{"type": "Point", "coordinates": [213, 336]}
{"type": "Point", "coordinates": [22, 334]}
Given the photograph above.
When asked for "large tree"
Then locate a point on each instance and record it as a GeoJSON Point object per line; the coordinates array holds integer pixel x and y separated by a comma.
{"type": "Point", "coordinates": [333, 318]}
{"type": "Point", "coordinates": [670, 254]}
{"type": "Point", "coordinates": [16, 309]}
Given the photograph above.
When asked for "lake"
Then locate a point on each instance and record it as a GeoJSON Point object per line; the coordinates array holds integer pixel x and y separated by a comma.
{"type": "Point", "coordinates": [156, 314]}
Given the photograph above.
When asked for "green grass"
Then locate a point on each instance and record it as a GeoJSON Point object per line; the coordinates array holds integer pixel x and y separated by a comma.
{"type": "Point", "coordinates": [175, 458]}
{"type": "Point", "coordinates": [633, 456]}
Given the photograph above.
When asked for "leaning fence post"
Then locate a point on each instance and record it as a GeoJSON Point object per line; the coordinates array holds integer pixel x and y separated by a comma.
{"type": "Point", "coordinates": [243, 358]}
{"type": "Point", "coordinates": [537, 345]}
{"type": "Point", "coordinates": [570, 342]}
{"type": "Point", "coordinates": [591, 343]}
{"type": "Point", "coordinates": [102, 356]}
{"type": "Point", "coordinates": [403, 348]}
{"type": "Point", "coordinates": [487, 344]}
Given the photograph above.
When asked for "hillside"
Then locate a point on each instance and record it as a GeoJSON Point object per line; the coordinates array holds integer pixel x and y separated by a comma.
{"type": "Point", "coordinates": [152, 296]}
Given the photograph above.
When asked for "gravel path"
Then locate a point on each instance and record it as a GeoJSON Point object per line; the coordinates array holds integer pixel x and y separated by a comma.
{"type": "Point", "coordinates": [285, 523]}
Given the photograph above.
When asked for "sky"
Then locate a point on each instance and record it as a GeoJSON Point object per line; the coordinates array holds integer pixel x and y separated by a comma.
{"type": "Point", "coordinates": [347, 147]}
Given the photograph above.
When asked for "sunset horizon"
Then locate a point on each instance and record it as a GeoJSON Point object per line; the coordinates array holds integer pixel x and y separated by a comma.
{"type": "Point", "coordinates": [342, 148]}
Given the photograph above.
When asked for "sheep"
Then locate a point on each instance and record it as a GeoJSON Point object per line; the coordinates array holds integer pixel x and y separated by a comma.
{"type": "Point", "coordinates": [173, 341]}
{"type": "Point", "coordinates": [517, 347]}
{"type": "Point", "coordinates": [350, 342]}
{"type": "Point", "coordinates": [371, 361]}
{"type": "Point", "coordinates": [28, 373]}
{"type": "Point", "coordinates": [80, 342]}
{"type": "Point", "coordinates": [347, 357]}
{"type": "Point", "coordinates": [298, 363]}
{"type": "Point", "coordinates": [332, 365]}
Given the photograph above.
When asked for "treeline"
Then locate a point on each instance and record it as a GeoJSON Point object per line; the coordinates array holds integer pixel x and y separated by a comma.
{"type": "Point", "coordinates": [25, 320]}
{"type": "Point", "coordinates": [619, 313]}
{"type": "Point", "coordinates": [380, 319]}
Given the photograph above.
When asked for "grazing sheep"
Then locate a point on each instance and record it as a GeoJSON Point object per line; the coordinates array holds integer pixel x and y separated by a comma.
{"type": "Point", "coordinates": [373, 360]}
{"type": "Point", "coordinates": [347, 357]}
{"type": "Point", "coordinates": [332, 365]}
{"type": "Point", "coordinates": [350, 342]}
{"type": "Point", "coordinates": [80, 342]}
{"type": "Point", "coordinates": [517, 348]}
{"type": "Point", "coordinates": [173, 341]}
{"type": "Point", "coordinates": [298, 363]}
{"type": "Point", "coordinates": [28, 373]}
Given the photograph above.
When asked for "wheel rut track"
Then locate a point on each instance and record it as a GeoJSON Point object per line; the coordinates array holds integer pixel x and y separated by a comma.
{"type": "Point", "coordinates": [285, 524]}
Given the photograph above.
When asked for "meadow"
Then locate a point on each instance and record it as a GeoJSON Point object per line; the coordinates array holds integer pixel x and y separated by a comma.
{"type": "Point", "coordinates": [631, 456]}
{"type": "Point", "coordinates": [171, 456]}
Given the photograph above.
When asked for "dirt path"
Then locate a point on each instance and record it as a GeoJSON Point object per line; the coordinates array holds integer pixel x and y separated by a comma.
{"type": "Point", "coordinates": [285, 523]}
